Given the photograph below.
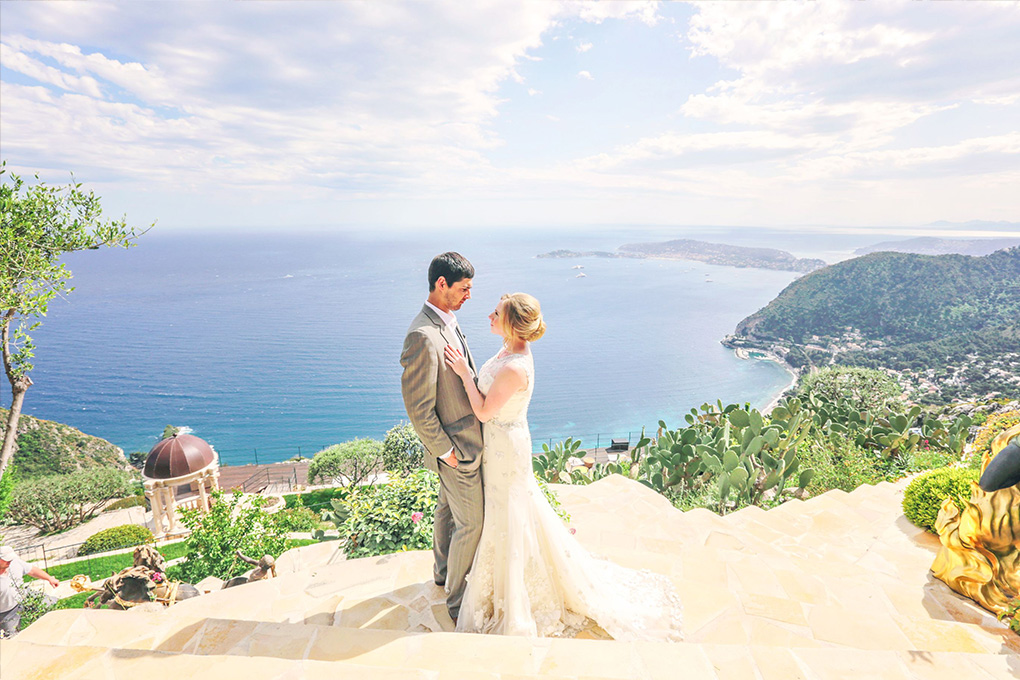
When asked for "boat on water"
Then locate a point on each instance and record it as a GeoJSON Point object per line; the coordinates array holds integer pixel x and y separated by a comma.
{"type": "Point", "coordinates": [581, 275]}
{"type": "Point", "coordinates": [578, 266]}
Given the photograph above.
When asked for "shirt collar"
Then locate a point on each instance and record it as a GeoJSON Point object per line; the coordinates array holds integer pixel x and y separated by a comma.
{"type": "Point", "coordinates": [448, 317]}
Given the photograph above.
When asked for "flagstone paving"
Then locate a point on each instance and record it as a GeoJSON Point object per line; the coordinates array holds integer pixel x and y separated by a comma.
{"type": "Point", "coordinates": [833, 587]}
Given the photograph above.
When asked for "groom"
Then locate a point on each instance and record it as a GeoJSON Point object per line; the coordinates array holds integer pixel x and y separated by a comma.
{"type": "Point", "coordinates": [441, 414]}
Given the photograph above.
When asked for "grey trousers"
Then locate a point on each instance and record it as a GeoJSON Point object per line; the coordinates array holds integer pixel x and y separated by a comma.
{"type": "Point", "coordinates": [460, 511]}
{"type": "Point", "coordinates": [10, 620]}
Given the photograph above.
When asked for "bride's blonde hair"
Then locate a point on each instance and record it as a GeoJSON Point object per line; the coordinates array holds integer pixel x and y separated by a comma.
{"type": "Point", "coordinates": [522, 317]}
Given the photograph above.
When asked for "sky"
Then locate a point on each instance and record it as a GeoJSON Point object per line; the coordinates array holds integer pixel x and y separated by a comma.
{"type": "Point", "coordinates": [393, 114]}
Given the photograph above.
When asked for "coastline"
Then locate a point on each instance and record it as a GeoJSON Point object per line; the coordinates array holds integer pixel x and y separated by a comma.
{"type": "Point", "coordinates": [744, 353]}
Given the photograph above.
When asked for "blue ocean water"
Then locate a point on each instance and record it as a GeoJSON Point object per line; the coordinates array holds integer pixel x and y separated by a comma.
{"type": "Point", "coordinates": [263, 344]}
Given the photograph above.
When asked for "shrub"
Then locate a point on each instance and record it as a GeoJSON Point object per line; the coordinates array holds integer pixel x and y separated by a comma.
{"type": "Point", "coordinates": [7, 483]}
{"type": "Point", "coordinates": [993, 427]}
{"type": "Point", "coordinates": [377, 520]}
{"type": "Point", "coordinates": [862, 388]}
{"type": "Point", "coordinates": [60, 502]}
{"type": "Point", "coordinates": [298, 517]}
{"type": "Point", "coordinates": [351, 462]}
{"type": "Point", "coordinates": [402, 449]}
{"type": "Point", "coordinates": [841, 464]}
{"type": "Point", "coordinates": [114, 538]}
{"type": "Point", "coordinates": [317, 499]}
{"type": "Point", "coordinates": [129, 502]}
{"type": "Point", "coordinates": [234, 523]}
{"type": "Point", "coordinates": [924, 495]}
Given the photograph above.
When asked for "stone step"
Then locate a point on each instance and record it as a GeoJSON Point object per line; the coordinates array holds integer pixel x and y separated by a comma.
{"type": "Point", "coordinates": [336, 655]}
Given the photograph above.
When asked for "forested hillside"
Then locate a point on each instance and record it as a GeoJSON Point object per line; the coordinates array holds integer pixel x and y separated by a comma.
{"type": "Point", "coordinates": [46, 447]}
{"type": "Point", "coordinates": [953, 319]}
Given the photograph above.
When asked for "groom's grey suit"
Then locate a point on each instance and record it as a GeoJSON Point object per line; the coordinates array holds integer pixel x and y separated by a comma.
{"type": "Point", "coordinates": [441, 414]}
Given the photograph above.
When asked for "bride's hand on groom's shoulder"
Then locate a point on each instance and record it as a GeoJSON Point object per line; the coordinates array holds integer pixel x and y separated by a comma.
{"type": "Point", "coordinates": [455, 360]}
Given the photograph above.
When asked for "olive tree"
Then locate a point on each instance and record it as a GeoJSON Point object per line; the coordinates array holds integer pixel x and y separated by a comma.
{"type": "Point", "coordinates": [39, 224]}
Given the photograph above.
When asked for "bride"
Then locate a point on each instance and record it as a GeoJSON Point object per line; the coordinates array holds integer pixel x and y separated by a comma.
{"type": "Point", "coordinates": [530, 576]}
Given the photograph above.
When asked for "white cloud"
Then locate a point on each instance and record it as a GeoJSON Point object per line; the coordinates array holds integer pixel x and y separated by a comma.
{"type": "Point", "coordinates": [583, 47]}
{"type": "Point", "coordinates": [532, 92]}
{"type": "Point", "coordinates": [585, 75]}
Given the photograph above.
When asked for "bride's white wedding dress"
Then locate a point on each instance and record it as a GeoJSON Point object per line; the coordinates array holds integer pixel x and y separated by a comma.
{"type": "Point", "coordinates": [530, 576]}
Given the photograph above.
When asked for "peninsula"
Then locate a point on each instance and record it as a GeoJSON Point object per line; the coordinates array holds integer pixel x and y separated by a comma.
{"type": "Point", "coordinates": [702, 251]}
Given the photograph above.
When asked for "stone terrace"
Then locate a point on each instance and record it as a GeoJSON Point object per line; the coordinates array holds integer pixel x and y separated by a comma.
{"type": "Point", "coordinates": [834, 587]}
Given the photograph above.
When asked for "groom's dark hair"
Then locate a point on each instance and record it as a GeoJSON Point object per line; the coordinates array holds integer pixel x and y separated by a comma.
{"type": "Point", "coordinates": [451, 266]}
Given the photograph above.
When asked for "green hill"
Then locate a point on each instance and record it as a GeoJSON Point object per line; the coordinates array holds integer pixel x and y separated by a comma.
{"type": "Point", "coordinates": [46, 447]}
{"type": "Point", "coordinates": [949, 320]}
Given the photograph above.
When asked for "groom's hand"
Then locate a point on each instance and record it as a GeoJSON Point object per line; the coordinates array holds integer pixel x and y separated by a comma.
{"type": "Point", "coordinates": [450, 459]}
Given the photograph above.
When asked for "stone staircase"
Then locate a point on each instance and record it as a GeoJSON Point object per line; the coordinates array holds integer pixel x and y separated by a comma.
{"type": "Point", "coordinates": [833, 587]}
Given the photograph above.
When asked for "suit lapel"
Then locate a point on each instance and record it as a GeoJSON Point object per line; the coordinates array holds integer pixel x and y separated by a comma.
{"type": "Point", "coordinates": [467, 350]}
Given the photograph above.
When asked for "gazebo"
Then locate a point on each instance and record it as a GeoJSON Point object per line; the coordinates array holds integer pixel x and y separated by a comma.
{"type": "Point", "coordinates": [179, 460]}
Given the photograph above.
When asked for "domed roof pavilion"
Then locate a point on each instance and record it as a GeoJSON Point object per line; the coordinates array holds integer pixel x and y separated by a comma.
{"type": "Point", "coordinates": [175, 461]}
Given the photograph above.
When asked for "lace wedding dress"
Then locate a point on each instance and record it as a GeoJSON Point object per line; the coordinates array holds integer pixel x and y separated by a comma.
{"type": "Point", "coordinates": [530, 576]}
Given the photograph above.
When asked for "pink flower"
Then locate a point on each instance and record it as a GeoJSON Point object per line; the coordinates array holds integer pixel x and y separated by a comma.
{"type": "Point", "coordinates": [573, 530]}
{"type": "Point", "coordinates": [416, 516]}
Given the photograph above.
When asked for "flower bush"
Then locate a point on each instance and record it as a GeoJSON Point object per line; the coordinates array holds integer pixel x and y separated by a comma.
{"type": "Point", "coordinates": [114, 538]}
{"type": "Point", "coordinates": [377, 520]}
{"type": "Point", "coordinates": [924, 495]}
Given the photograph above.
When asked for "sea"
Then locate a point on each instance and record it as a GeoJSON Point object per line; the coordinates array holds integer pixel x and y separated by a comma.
{"type": "Point", "coordinates": [275, 345]}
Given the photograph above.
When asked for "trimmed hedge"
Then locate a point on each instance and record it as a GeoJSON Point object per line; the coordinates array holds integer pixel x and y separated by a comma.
{"type": "Point", "coordinates": [924, 495]}
{"type": "Point", "coordinates": [316, 500]}
{"type": "Point", "coordinates": [129, 502]}
{"type": "Point", "coordinates": [114, 538]}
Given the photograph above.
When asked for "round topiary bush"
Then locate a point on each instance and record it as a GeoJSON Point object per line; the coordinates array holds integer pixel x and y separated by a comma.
{"type": "Point", "coordinates": [114, 538]}
{"type": "Point", "coordinates": [924, 495]}
{"type": "Point", "coordinates": [402, 449]}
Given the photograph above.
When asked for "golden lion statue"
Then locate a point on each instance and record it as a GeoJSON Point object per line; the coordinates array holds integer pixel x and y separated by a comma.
{"type": "Point", "coordinates": [980, 555]}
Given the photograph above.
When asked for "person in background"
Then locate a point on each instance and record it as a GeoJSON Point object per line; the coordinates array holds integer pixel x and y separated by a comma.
{"type": "Point", "coordinates": [13, 570]}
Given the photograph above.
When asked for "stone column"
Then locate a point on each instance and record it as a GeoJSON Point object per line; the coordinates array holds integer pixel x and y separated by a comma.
{"type": "Point", "coordinates": [155, 498]}
{"type": "Point", "coordinates": [203, 497]}
{"type": "Point", "coordinates": [171, 508]}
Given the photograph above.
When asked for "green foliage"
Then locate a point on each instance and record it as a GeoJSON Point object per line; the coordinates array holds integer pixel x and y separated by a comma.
{"type": "Point", "coordinates": [233, 523]}
{"type": "Point", "coordinates": [170, 431]}
{"type": "Point", "coordinates": [60, 502]}
{"type": "Point", "coordinates": [351, 463]}
{"type": "Point", "coordinates": [39, 225]}
{"type": "Point", "coordinates": [1011, 615]}
{"type": "Point", "coordinates": [317, 499]}
{"type": "Point", "coordinates": [376, 520]}
{"type": "Point", "coordinates": [34, 605]}
{"type": "Point", "coordinates": [72, 602]}
{"type": "Point", "coordinates": [913, 313]}
{"type": "Point", "coordinates": [551, 464]}
{"type": "Point", "coordinates": [402, 450]}
{"type": "Point", "coordinates": [7, 483]}
{"type": "Point", "coordinates": [993, 427]}
{"type": "Point", "coordinates": [841, 464]}
{"type": "Point", "coordinates": [45, 447]}
{"type": "Point", "coordinates": [924, 495]}
{"type": "Point", "coordinates": [137, 459]}
{"type": "Point", "coordinates": [298, 517]}
{"type": "Point", "coordinates": [129, 502]}
{"type": "Point", "coordinates": [115, 538]}
{"type": "Point", "coordinates": [860, 388]}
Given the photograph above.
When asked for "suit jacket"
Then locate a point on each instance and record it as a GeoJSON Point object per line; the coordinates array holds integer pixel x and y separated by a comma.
{"type": "Point", "coordinates": [434, 395]}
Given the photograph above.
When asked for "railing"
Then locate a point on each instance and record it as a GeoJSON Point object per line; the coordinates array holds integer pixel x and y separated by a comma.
{"type": "Point", "coordinates": [267, 477]}
{"type": "Point", "coordinates": [67, 554]}
{"type": "Point", "coordinates": [281, 454]}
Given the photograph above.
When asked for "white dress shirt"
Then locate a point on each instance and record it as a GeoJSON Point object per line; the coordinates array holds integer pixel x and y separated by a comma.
{"type": "Point", "coordinates": [450, 320]}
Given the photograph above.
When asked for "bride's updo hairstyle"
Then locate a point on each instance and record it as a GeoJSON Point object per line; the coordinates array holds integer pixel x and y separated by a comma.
{"type": "Point", "coordinates": [522, 317]}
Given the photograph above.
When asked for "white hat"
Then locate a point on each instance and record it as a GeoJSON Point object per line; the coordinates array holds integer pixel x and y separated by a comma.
{"type": "Point", "coordinates": [7, 553]}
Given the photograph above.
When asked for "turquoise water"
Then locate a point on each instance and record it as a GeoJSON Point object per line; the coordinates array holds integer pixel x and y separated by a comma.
{"type": "Point", "coordinates": [264, 344]}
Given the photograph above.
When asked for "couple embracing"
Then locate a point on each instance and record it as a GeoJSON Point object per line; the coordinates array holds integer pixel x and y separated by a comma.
{"type": "Point", "coordinates": [508, 563]}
